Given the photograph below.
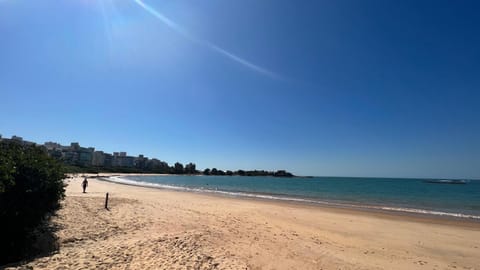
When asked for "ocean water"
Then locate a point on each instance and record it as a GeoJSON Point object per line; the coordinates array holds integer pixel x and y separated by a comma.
{"type": "Point", "coordinates": [388, 194]}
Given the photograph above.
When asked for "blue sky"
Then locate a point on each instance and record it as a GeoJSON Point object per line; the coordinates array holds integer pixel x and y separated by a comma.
{"type": "Point", "coordinates": [346, 88]}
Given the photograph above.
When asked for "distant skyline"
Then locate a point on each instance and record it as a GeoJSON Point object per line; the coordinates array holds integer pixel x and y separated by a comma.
{"type": "Point", "coordinates": [336, 88]}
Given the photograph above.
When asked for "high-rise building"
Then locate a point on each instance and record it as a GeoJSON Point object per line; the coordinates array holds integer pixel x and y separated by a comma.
{"type": "Point", "coordinates": [98, 158]}
{"type": "Point", "coordinates": [108, 160]}
{"type": "Point", "coordinates": [17, 138]}
{"type": "Point", "coordinates": [52, 145]}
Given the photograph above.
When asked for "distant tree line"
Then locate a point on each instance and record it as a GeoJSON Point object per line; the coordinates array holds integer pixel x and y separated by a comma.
{"type": "Point", "coordinates": [178, 168]}
{"type": "Point", "coordinates": [142, 165]}
{"type": "Point", "coordinates": [77, 159]}
{"type": "Point", "coordinates": [279, 173]}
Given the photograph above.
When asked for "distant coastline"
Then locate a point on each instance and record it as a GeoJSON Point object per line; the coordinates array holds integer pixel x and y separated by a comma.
{"type": "Point", "coordinates": [78, 159]}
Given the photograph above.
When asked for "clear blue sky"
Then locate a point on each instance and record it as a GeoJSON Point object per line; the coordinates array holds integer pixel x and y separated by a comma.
{"type": "Point", "coordinates": [348, 88]}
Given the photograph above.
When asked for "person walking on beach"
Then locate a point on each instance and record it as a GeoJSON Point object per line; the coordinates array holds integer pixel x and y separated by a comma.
{"type": "Point", "coordinates": [84, 184]}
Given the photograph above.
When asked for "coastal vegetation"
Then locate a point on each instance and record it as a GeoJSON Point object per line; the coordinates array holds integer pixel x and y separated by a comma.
{"type": "Point", "coordinates": [279, 173]}
{"type": "Point", "coordinates": [178, 168]}
{"type": "Point", "coordinates": [78, 159]}
{"type": "Point", "coordinates": [31, 188]}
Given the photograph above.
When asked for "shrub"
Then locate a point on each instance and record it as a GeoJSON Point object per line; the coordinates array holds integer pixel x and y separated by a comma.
{"type": "Point", "coordinates": [31, 188]}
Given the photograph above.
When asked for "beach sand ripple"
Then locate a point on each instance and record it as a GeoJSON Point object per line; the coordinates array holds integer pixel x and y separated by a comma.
{"type": "Point", "coordinates": [157, 229]}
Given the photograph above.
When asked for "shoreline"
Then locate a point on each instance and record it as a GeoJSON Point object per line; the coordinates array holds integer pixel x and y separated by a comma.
{"type": "Point", "coordinates": [147, 228]}
{"type": "Point", "coordinates": [389, 211]}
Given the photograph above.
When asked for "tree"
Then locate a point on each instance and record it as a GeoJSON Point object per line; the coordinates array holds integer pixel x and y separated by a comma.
{"type": "Point", "coordinates": [190, 168]}
{"type": "Point", "coordinates": [31, 188]}
{"type": "Point", "coordinates": [282, 173]}
{"type": "Point", "coordinates": [178, 168]}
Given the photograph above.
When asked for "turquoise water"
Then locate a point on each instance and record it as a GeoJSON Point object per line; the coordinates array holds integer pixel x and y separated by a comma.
{"type": "Point", "coordinates": [393, 194]}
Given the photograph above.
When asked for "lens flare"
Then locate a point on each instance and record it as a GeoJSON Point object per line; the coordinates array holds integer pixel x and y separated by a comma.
{"type": "Point", "coordinates": [182, 31]}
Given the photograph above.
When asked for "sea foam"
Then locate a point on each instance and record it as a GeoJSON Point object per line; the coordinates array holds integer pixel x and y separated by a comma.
{"type": "Point", "coordinates": [122, 180]}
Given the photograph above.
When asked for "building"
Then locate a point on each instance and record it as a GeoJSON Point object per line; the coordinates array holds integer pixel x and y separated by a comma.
{"type": "Point", "coordinates": [98, 158]}
{"type": "Point", "coordinates": [141, 162]}
{"type": "Point", "coordinates": [75, 154]}
{"type": "Point", "coordinates": [52, 145]}
{"type": "Point", "coordinates": [107, 160]}
{"type": "Point", "coordinates": [120, 159]}
{"type": "Point", "coordinates": [158, 166]}
{"type": "Point", "coordinates": [74, 146]}
{"type": "Point", "coordinates": [17, 138]}
{"type": "Point", "coordinates": [69, 157]}
{"type": "Point", "coordinates": [21, 141]}
{"type": "Point", "coordinates": [85, 156]}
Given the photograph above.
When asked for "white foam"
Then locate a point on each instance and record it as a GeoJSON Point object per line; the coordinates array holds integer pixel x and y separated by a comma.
{"type": "Point", "coordinates": [429, 212]}
{"type": "Point", "coordinates": [121, 180]}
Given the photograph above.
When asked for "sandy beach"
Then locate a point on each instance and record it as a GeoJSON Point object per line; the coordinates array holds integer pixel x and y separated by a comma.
{"type": "Point", "coordinates": [149, 228]}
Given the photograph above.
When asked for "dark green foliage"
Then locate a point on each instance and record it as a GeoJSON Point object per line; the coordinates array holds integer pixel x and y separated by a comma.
{"type": "Point", "coordinates": [31, 187]}
{"type": "Point", "coordinates": [280, 173]}
{"type": "Point", "coordinates": [178, 168]}
{"type": "Point", "coordinates": [190, 168]}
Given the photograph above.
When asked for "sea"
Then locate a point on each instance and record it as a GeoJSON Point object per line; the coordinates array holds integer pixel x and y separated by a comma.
{"type": "Point", "coordinates": [416, 196]}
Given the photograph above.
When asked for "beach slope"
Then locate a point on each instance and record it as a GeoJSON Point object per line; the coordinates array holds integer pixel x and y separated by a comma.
{"type": "Point", "coordinates": [147, 228]}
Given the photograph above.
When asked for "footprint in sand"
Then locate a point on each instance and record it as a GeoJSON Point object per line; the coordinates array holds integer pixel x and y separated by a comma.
{"type": "Point", "coordinates": [421, 262]}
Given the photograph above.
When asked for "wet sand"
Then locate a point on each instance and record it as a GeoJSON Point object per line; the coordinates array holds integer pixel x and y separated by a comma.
{"type": "Point", "coordinates": [148, 228]}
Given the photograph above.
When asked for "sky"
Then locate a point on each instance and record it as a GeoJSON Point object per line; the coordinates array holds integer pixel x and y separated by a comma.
{"type": "Point", "coordinates": [325, 88]}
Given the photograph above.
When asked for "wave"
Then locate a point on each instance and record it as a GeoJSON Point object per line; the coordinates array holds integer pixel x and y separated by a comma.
{"type": "Point", "coordinates": [120, 180]}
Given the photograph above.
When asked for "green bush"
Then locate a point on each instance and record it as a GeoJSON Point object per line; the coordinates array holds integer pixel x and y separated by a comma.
{"type": "Point", "coordinates": [31, 188]}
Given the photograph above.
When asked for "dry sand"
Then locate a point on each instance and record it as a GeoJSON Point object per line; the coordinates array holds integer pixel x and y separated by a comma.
{"type": "Point", "coordinates": [159, 229]}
